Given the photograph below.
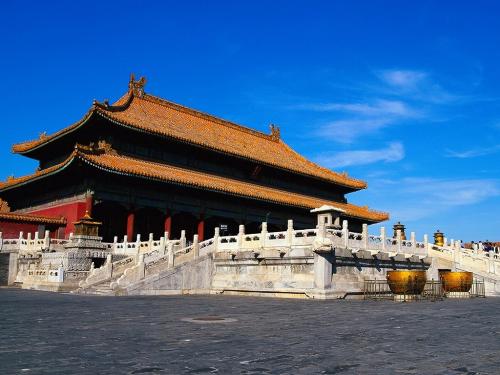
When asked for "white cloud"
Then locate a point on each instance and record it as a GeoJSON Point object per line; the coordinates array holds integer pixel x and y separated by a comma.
{"type": "Point", "coordinates": [346, 131]}
{"type": "Point", "coordinates": [405, 79]}
{"type": "Point", "coordinates": [451, 193]}
{"type": "Point", "coordinates": [394, 152]}
{"type": "Point", "coordinates": [473, 152]}
{"type": "Point", "coordinates": [377, 108]}
{"type": "Point", "coordinates": [416, 198]}
{"type": "Point", "coordinates": [392, 101]}
{"type": "Point", "coordinates": [414, 85]}
{"type": "Point", "coordinates": [364, 118]}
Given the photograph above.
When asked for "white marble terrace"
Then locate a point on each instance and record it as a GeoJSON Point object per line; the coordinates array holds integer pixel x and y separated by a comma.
{"type": "Point", "coordinates": [171, 252]}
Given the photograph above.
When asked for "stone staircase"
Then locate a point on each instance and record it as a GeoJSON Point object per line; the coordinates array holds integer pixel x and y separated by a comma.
{"type": "Point", "coordinates": [103, 289]}
{"type": "Point", "coordinates": [100, 280]}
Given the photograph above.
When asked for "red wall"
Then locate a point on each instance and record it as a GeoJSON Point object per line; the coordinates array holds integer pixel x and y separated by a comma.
{"type": "Point", "coordinates": [73, 211]}
{"type": "Point", "coordinates": [11, 230]}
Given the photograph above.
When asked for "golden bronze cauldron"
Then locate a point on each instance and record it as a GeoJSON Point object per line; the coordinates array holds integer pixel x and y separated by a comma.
{"type": "Point", "coordinates": [456, 281]}
{"type": "Point", "coordinates": [406, 282]}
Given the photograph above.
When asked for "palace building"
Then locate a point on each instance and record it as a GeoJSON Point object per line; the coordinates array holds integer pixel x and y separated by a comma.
{"type": "Point", "coordinates": [146, 165]}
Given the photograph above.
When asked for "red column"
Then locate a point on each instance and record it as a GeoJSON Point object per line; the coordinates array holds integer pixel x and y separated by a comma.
{"type": "Point", "coordinates": [168, 224]}
{"type": "Point", "coordinates": [89, 203]}
{"type": "Point", "coordinates": [201, 228]}
{"type": "Point", "coordinates": [130, 225]}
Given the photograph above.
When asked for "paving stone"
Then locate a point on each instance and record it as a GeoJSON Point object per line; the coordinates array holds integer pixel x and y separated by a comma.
{"type": "Point", "coordinates": [47, 333]}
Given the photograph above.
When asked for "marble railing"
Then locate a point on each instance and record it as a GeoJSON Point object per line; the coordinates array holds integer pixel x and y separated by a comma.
{"type": "Point", "coordinates": [154, 250]}
{"type": "Point", "coordinates": [477, 261]}
{"type": "Point", "coordinates": [31, 244]}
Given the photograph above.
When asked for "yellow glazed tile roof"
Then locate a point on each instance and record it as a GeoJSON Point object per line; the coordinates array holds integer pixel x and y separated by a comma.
{"type": "Point", "coordinates": [157, 116]}
{"type": "Point", "coordinates": [28, 218]}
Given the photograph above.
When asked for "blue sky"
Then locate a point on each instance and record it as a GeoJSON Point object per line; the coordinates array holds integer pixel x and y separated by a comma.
{"type": "Point", "coordinates": [405, 96]}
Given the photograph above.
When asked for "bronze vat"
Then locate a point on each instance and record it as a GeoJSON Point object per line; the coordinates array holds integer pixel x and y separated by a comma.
{"type": "Point", "coordinates": [456, 281]}
{"type": "Point", "coordinates": [406, 282]}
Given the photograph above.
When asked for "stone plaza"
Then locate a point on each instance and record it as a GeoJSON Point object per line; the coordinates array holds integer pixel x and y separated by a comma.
{"type": "Point", "coordinates": [47, 333]}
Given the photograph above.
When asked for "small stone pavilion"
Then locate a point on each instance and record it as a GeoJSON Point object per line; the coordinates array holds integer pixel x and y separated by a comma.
{"type": "Point", "coordinates": [146, 165]}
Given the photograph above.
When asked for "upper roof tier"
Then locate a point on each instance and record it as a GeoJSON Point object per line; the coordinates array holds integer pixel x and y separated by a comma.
{"type": "Point", "coordinates": [151, 114]}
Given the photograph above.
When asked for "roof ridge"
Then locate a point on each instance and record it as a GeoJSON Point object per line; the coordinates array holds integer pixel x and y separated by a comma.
{"type": "Point", "coordinates": [206, 116]}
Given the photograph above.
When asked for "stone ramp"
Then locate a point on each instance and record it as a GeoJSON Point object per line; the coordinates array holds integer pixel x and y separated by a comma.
{"type": "Point", "coordinates": [191, 277]}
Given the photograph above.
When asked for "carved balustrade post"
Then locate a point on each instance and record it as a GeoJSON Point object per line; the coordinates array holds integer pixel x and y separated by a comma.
{"type": "Point", "coordinates": [289, 232]}
{"type": "Point", "coordinates": [163, 248]}
{"type": "Point", "coordinates": [426, 243]}
{"type": "Point", "coordinates": [170, 252]}
{"type": "Point", "coordinates": [196, 247]}
{"type": "Point", "coordinates": [150, 242]}
{"type": "Point", "coordinates": [216, 238]}
{"type": "Point", "coordinates": [241, 233]}
{"type": "Point", "coordinates": [345, 233]}
{"type": "Point", "coordinates": [138, 244]}
{"type": "Point", "coordinates": [263, 234]}
{"type": "Point", "coordinates": [457, 254]}
{"type": "Point", "coordinates": [365, 236]}
{"type": "Point", "coordinates": [166, 235]}
{"type": "Point", "coordinates": [108, 264]}
{"type": "Point", "coordinates": [125, 244]}
{"type": "Point", "coordinates": [183, 239]}
{"type": "Point", "coordinates": [46, 240]}
{"type": "Point", "coordinates": [142, 267]}
{"type": "Point", "coordinates": [383, 239]}
{"type": "Point", "coordinates": [413, 243]}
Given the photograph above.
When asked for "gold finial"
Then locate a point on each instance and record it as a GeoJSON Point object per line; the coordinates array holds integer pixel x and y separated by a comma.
{"type": "Point", "coordinates": [275, 132]}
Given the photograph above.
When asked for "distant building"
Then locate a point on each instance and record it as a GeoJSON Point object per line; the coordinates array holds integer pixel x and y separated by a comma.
{"type": "Point", "coordinates": [146, 165]}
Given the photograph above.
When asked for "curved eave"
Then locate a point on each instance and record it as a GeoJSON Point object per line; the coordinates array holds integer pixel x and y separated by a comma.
{"type": "Point", "coordinates": [45, 173]}
{"type": "Point", "coordinates": [31, 219]}
{"type": "Point", "coordinates": [25, 148]}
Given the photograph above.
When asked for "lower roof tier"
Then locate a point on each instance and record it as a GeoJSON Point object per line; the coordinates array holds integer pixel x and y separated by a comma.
{"type": "Point", "coordinates": [108, 160]}
{"type": "Point", "coordinates": [31, 219]}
